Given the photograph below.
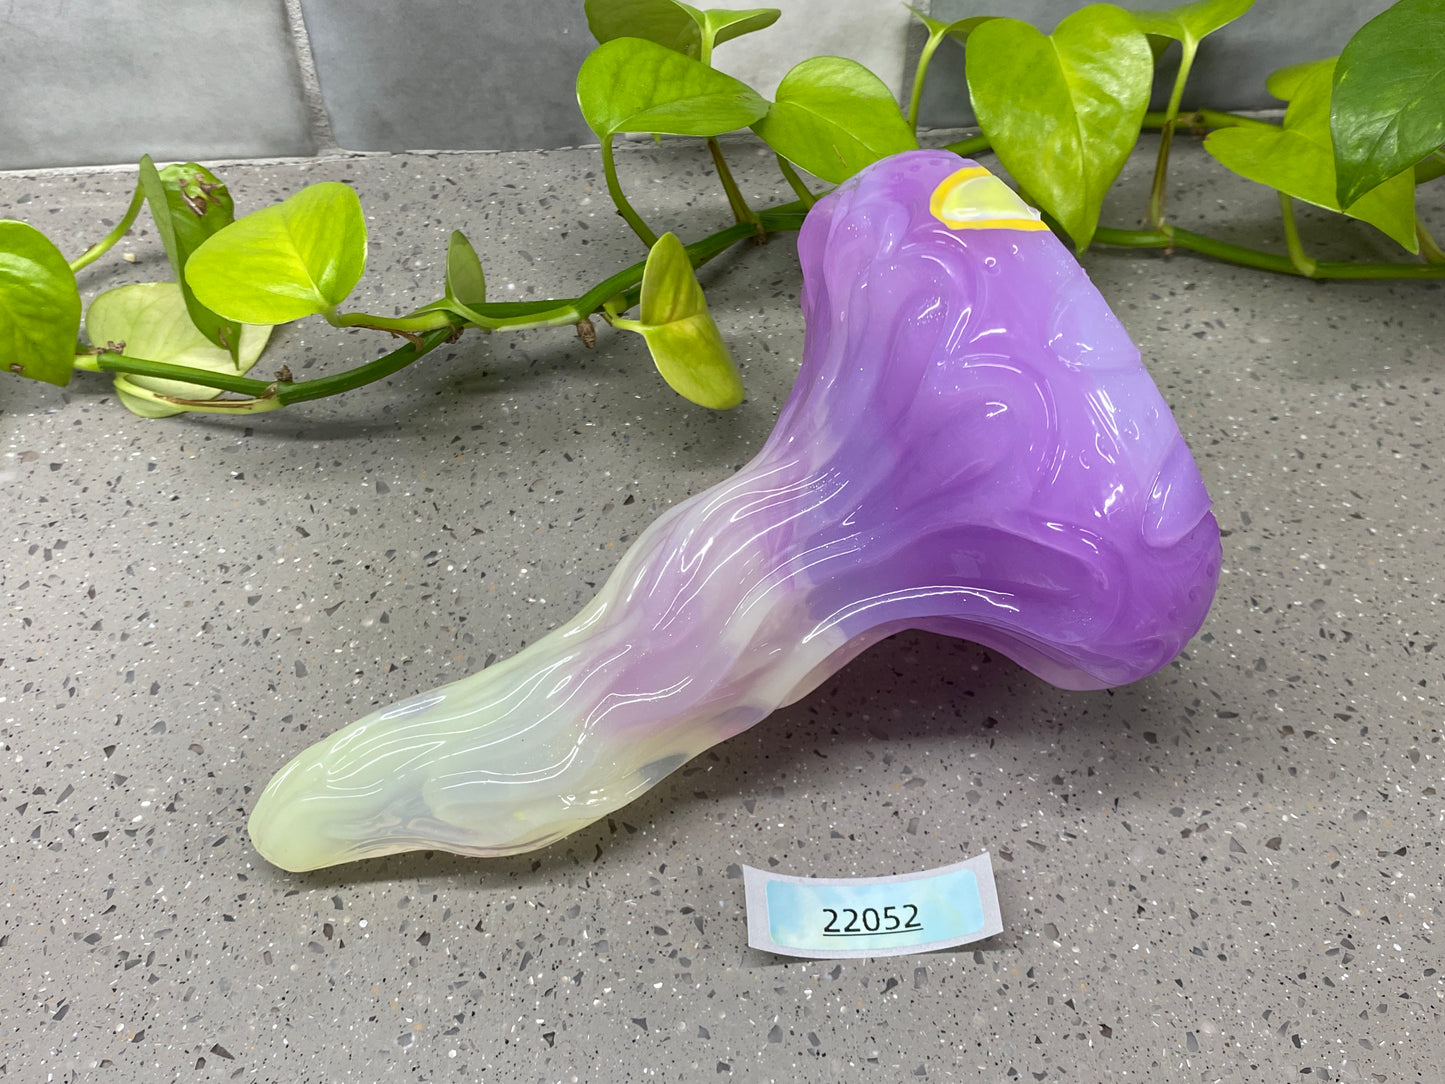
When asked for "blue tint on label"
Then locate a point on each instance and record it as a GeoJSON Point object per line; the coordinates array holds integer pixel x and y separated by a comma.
{"type": "Point", "coordinates": [873, 916]}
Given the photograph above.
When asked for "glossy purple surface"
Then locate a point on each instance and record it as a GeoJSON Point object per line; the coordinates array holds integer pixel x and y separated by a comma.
{"type": "Point", "coordinates": [1012, 473]}
{"type": "Point", "coordinates": [972, 447]}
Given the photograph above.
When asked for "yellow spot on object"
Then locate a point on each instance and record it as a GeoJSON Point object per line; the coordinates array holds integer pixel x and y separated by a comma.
{"type": "Point", "coordinates": [974, 199]}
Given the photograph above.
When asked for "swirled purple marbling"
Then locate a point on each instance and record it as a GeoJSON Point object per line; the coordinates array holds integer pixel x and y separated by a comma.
{"type": "Point", "coordinates": [972, 447]}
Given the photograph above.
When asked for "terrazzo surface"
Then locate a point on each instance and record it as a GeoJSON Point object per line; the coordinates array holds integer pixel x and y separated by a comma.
{"type": "Point", "coordinates": [1229, 871]}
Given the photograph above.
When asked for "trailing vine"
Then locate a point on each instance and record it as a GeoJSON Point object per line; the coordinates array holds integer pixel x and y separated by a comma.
{"type": "Point", "coordinates": [1062, 112]}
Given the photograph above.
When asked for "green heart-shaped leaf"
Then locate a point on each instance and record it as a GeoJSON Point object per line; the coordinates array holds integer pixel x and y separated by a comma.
{"type": "Point", "coordinates": [466, 285]}
{"type": "Point", "coordinates": [1062, 111]}
{"type": "Point", "coordinates": [722, 24]}
{"type": "Point", "coordinates": [673, 25]}
{"type": "Point", "coordinates": [681, 335]}
{"type": "Point", "coordinates": [632, 85]}
{"type": "Point", "coordinates": [1189, 23]}
{"type": "Point", "coordinates": [39, 306]}
{"type": "Point", "coordinates": [297, 258]}
{"type": "Point", "coordinates": [1284, 83]}
{"type": "Point", "coordinates": [1298, 159]}
{"type": "Point", "coordinates": [1388, 107]}
{"type": "Point", "coordinates": [151, 319]}
{"type": "Point", "coordinates": [465, 281]}
{"type": "Point", "coordinates": [959, 28]}
{"type": "Point", "coordinates": [833, 117]}
{"type": "Point", "coordinates": [189, 204]}
{"type": "Point", "coordinates": [662, 21]}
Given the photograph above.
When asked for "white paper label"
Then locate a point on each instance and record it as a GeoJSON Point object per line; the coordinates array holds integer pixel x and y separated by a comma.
{"type": "Point", "coordinates": [839, 918]}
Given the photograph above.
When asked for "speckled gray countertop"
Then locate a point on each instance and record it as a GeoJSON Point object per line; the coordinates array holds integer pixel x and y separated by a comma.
{"type": "Point", "coordinates": [1230, 871]}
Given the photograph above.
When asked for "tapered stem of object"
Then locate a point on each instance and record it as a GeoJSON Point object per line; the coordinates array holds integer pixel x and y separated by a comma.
{"type": "Point", "coordinates": [593, 713]}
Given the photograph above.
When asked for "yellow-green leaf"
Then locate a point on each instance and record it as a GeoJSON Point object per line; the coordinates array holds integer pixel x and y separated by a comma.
{"type": "Point", "coordinates": [189, 203]}
{"type": "Point", "coordinates": [634, 85]}
{"type": "Point", "coordinates": [677, 26]}
{"type": "Point", "coordinates": [297, 258]}
{"type": "Point", "coordinates": [959, 29]}
{"type": "Point", "coordinates": [152, 322]}
{"type": "Point", "coordinates": [661, 21]}
{"type": "Point", "coordinates": [39, 306]}
{"type": "Point", "coordinates": [683, 338]}
{"type": "Point", "coordinates": [1063, 110]}
{"type": "Point", "coordinates": [1188, 23]}
{"type": "Point", "coordinates": [1298, 158]}
{"type": "Point", "coordinates": [1284, 83]}
{"type": "Point", "coordinates": [465, 281]}
{"type": "Point", "coordinates": [833, 117]}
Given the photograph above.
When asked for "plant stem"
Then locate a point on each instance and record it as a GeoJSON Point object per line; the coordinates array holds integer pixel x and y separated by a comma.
{"type": "Point", "coordinates": [1263, 261]}
{"type": "Point", "coordinates": [415, 323]}
{"type": "Point", "coordinates": [1195, 242]}
{"type": "Point", "coordinates": [1171, 117]}
{"type": "Point", "coordinates": [1428, 248]}
{"type": "Point", "coordinates": [1108, 235]}
{"type": "Point", "coordinates": [1431, 167]}
{"type": "Point", "coordinates": [362, 375]}
{"type": "Point", "coordinates": [795, 182]}
{"type": "Point", "coordinates": [104, 245]}
{"type": "Point", "coordinates": [263, 396]}
{"type": "Point", "coordinates": [1161, 166]}
{"type": "Point", "coordinates": [431, 328]}
{"type": "Point", "coordinates": [625, 284]}
{"type": "Point", "coordinates": [1302, 263]}
{"type": "Point", "coordinates": [1329, 270]}
{"type": "Point", "coordinates": [1206, 118]}
{"type": "Point", "coordinates": [741, 211]}
{"type": "Point", "coordinates": [970, 146]}
{"type": "Point", "coordinates": [620, 291]}
{"type": "Point", "coordinates": [609, 170]}
{"type": "Point", "coordinates": [121, 363]}
{"type": "Point", "coordinates": [935, 38]}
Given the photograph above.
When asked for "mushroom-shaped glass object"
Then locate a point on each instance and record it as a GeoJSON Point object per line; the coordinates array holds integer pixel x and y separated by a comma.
{"type": "Point", "coordinates": [972, 447]}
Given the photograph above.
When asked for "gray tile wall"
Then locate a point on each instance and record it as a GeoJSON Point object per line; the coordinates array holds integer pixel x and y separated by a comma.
{"type": "Point", "coordinates": [496, 74]}
{"type": "Point", "coordinates": [108, 80]}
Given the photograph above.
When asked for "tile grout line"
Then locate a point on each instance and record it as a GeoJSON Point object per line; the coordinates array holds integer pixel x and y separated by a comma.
{"type": "Point", "coordinates": [318, 117]}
